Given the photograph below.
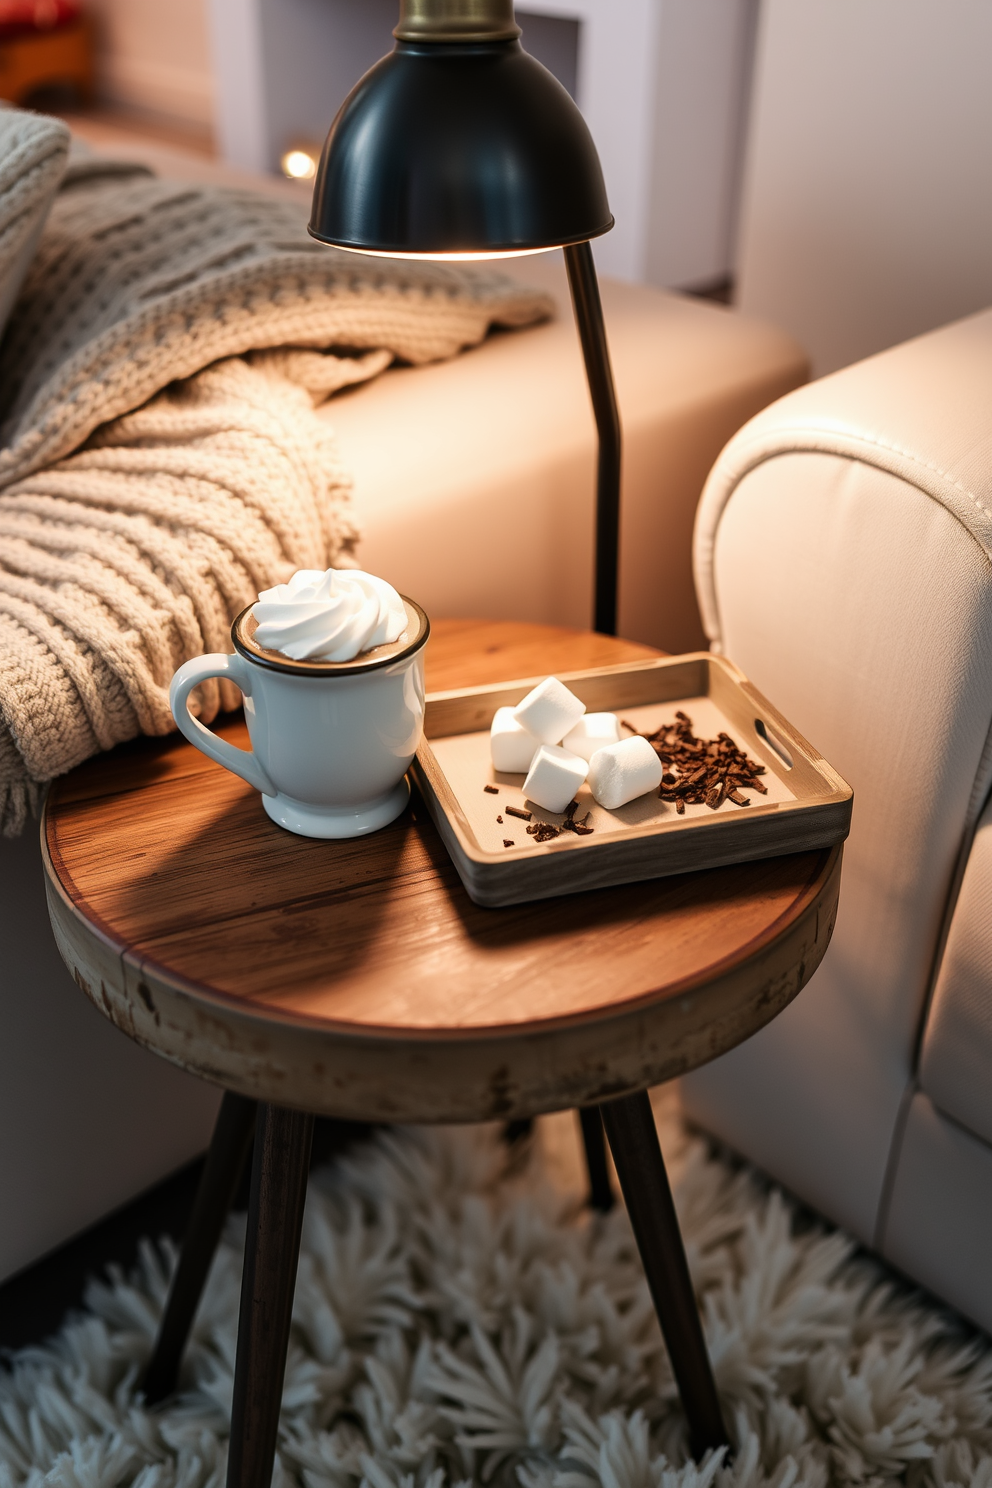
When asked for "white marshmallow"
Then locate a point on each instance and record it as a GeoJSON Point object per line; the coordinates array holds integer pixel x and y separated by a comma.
{"type": "Point", "coordinates": [511, 746]}
{"type": "Point", "coordinates": [622, 772]}
{"type": "Point", "coordinates": [593, 731]}
{"type": "Point", "coordinates": [554, 777]}
{"type": "Point", "coordinates": [548, 711]}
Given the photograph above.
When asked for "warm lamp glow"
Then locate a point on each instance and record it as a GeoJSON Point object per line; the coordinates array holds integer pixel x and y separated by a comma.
{"type": "Point", "coordinates": [450, 257]}
{"type": "Point", "coordinates": [299, 164]}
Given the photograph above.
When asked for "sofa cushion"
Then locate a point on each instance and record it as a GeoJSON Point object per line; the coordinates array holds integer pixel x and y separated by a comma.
{"type": "Point", "coordinates": [843, 549]}
{"type": "Point", "coordinates": [474, 480]}
{"type": "Point", "coordinates": [920, 411]}
{"type": "Point", "coordinates": [940, 1211]}
{"type": "Point", "coordinates": [818, 564]}
{"type": "Point", "coordinates": [956, 1058]}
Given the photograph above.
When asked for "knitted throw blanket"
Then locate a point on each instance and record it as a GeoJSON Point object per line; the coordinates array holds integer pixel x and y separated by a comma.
{"type": "Point", "coordinates": [131, 535]}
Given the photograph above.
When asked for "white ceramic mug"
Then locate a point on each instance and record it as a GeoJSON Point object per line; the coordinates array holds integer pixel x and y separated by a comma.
{"type": "Point", "coordinates": [331, 741]}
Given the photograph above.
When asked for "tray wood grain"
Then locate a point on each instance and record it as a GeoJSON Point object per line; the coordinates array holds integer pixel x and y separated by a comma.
{"type": "Point", "coordinates": [807, 805]}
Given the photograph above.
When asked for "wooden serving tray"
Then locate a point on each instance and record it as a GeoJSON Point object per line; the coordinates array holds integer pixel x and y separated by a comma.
{"type": "Point", "coordinates": [808, 804]}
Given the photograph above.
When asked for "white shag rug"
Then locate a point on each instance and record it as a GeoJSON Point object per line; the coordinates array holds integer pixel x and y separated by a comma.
{"type": "Point", "coordinates": [459, 1320]}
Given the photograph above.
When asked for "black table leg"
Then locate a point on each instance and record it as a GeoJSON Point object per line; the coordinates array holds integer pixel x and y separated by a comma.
{"type": "Point", "coordinates": [214, 1195]}
{"type": "Point", "coordinates": [275, 1223]}
{"type": "Point", "coordinates": [600, 1190]}
{"type": "Point", "coordinates": [640, 1167]}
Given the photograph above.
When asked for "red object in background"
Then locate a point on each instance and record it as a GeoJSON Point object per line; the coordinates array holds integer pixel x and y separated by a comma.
{"type": "Point", "coordinates": [46, 54]}
{"type": "Point", "coordinates": [22, 17]}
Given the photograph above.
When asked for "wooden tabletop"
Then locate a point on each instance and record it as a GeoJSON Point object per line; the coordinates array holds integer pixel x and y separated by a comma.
{"type": "Point", "coordinates": [357, 978]}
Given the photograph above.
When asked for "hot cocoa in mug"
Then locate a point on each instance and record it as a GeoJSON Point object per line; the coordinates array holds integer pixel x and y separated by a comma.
{"type": "Point", "coordinates": [331, 667]}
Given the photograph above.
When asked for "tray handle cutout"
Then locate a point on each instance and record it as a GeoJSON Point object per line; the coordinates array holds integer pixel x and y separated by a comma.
{"type": "Point", "coordinates": [775, 743]}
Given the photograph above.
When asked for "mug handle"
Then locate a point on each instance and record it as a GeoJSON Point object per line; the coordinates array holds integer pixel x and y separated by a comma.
{"type": "Point", "coordinates": [243, 762]}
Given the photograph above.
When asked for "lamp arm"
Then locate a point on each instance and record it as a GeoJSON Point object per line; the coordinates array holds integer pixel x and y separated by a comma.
{"type": "Point", "coordinates": [592, 334]}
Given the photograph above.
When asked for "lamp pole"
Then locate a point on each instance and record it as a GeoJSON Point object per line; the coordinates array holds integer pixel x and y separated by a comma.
{"type": "Point", "coordinates": [588, 309]}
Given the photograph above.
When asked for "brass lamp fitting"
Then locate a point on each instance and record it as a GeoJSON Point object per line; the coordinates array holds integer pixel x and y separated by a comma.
{"type": "Point", "coordinates": [456, 20]}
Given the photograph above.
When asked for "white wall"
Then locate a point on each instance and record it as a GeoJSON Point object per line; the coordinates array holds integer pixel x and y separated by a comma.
{"type": "Point", "coordinates": [701, 95]}
{"type": "Point", "coordinates": [283, 68]}
{"type": "Point", "coordinates": [867, 214]}
{"type": "Point", "coordinates": [155, 57]}
{"type": "Point", "coordinates": [618, 55]}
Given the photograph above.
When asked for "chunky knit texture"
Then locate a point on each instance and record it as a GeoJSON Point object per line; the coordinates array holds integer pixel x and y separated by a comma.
{"type": "Point", "coordinates": [130, 539]}
{"type": "Point", "coordinates": [138, 282]}
{"type": "Point", "coordinates": [32, 159]}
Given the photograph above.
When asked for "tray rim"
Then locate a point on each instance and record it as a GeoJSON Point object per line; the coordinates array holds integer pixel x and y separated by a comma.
{"type": "Point", "coordinates": [474, 863]}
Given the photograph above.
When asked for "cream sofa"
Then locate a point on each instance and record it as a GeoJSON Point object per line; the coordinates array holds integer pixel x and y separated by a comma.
{"type": "Point", "coordinates": [459, 468]}
{"type": "Point", "coordinates": [843, 558]}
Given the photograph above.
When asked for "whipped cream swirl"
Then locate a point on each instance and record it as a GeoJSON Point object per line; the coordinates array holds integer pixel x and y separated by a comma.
{"type": "Point", "coordinates": [332, 616]}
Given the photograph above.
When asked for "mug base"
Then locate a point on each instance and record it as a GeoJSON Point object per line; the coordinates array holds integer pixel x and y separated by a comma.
{"type": "Point", "coordinates": [337, 821]}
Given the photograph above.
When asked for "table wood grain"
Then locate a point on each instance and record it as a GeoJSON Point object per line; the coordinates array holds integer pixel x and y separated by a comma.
{"type": "Point", "coordinates": [357, 979]}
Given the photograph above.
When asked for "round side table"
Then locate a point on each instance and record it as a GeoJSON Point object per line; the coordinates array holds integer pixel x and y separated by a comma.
{"type": "Point", "coordinates": [357, 980]}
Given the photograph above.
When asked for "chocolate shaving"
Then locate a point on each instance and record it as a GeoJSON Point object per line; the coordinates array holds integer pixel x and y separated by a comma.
{"type": "Point", "coordinates": [515, 811]}
{"type": "Point", "coordinates": [508, 842]}
{"type": "Point", "coordinates": [492, 790]}
{"type": "Point", "coordinates": [500, 820]}
{"type": "Point", "coordinates": [580, 828]}
{"type": "Point", "coordinates": [702, 771]}
{"type": "Point", "coordinates": [543, 831]}
{"type": "Point", "coordinates": [714, 797]}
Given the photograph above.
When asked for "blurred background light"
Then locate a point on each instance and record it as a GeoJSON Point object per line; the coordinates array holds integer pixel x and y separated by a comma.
{"type": "Point", "coordinates": [299, 162]}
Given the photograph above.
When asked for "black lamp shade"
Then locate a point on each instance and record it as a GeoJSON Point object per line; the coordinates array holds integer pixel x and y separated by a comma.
{"type": "Point", "coordinates": [447, 148]}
